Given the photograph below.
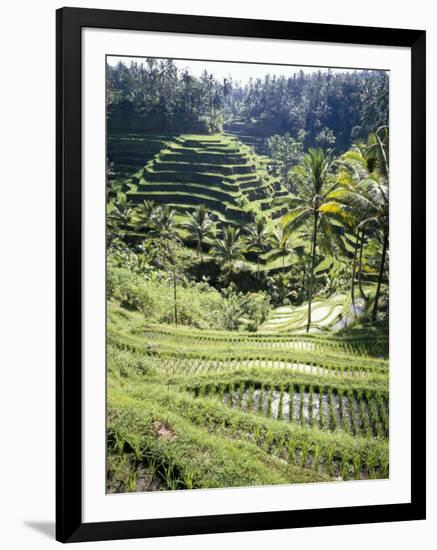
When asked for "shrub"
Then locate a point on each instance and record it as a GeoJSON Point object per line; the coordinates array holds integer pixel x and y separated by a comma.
{"type": "Point", "coordinates": [239, 310]}
{"type": "Point", "coordinates": [199, 305]}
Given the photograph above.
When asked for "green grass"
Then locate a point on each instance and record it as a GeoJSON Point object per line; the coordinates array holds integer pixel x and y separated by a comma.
{"type": "Point", "coordinates": [185, 407]}
{"type": "Point", "coordinates": [193, 456]}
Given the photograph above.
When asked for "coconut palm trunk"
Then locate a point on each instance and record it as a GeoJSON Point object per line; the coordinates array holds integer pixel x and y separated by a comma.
{"type": "Point", "coordinates": [199, 250]}
{"type": "Point", "coordinates": [313, 266]}
{"type": "Point", "coordinates": [175, 302]}
{"type": "Point", "coordinates": [175, 297]}
{"type": "Point", "coordinates": [360, 265]}
{"type": "Point", "coordinates": [381, 272]}
{"type": "Point", "coordinates": [304, 282]}
{"type": "Point", "coordinates": [354, 267]}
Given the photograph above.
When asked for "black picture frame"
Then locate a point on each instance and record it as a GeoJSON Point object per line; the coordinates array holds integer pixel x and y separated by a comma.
{"type": "Point", "coordinates": [69, 525]}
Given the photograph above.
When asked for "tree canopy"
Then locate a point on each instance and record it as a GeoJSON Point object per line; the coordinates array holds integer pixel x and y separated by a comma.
{"type": "Point", "coordinates": [320, 109]}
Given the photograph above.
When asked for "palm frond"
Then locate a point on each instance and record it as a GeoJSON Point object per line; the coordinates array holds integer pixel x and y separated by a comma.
{"type": "Point", "coordinates": [356, 200]}
{"type": "Point", "coordinates": [331, 239]}
{"type": "Point", "coordinates": [343, 213]}
{"type": "Point", "coordinates": [294, 219]}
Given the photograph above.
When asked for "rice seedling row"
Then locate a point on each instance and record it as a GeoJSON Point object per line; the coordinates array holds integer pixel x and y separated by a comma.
{"type": "Point", "coordinates": [357, 412]}
{"type": "Point", "coordinates": [305, 410]}
{"type": "Point", "coordinates": [337, 454]}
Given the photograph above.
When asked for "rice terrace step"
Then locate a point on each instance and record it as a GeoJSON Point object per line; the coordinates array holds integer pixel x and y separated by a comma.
{"type": "Point", "coordinates": [206, 162]}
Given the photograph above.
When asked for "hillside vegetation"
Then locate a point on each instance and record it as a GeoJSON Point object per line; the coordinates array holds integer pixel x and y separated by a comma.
{"type": "Point", "coordinates": [216, 170]}
{"type": "Point", "coordinates": [247, 278]}
{"type": "Point", "coordinates": [196, 409]}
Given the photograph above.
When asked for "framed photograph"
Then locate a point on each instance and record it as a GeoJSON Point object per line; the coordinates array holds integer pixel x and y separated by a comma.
{"type": "Point", "coordinates": [240, 274]}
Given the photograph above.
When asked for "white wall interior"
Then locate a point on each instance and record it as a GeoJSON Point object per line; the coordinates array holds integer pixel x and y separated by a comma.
{"type": "Point", "coordinates": [27, 271]}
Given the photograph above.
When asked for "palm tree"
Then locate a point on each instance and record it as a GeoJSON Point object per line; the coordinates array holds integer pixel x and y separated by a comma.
{"type": "Point", "coordinates": [120, 214]}
{"type": "Point", "coordinates": [377, 153]}
{"type": "Point", "coordinates": [281, 244]}
{"type": "Point", "coordinates": [145, 215]}
{"type": "Point", "coordinates": [200, 227]}
{"type": "Point", "coordinates": [257, 239]}
{"type": "Point", "coordinates": [378, 161]}
{"type": "Point", "coordinates": [315, 193]}
{"type": "Point", "coordinates": [350, 175]}
{"type": "Point", "coordinates": [165, 227]}
{"type": "Point", "coordinates": [229, 249]}
{"type": "Point", "coordinates": [366, 191]}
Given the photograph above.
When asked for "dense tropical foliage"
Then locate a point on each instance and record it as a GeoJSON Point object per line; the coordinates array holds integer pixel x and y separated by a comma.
{"type": "Point", "coordinates": [325, 109]}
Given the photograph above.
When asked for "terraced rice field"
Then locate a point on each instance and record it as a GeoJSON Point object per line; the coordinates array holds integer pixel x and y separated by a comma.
{"type": "Point", "coordinates": [127, 153]}
{"type": "Point", "coordinates": [221, 171]}
{"type": "Point", "coordinates": [239, 128]}
{"type": "Point", "coordinates": [194, 409]}
{"type": "Point", "coordinates": [218, 171]}
{"type": "Point", "coordinates": [325, 314]}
